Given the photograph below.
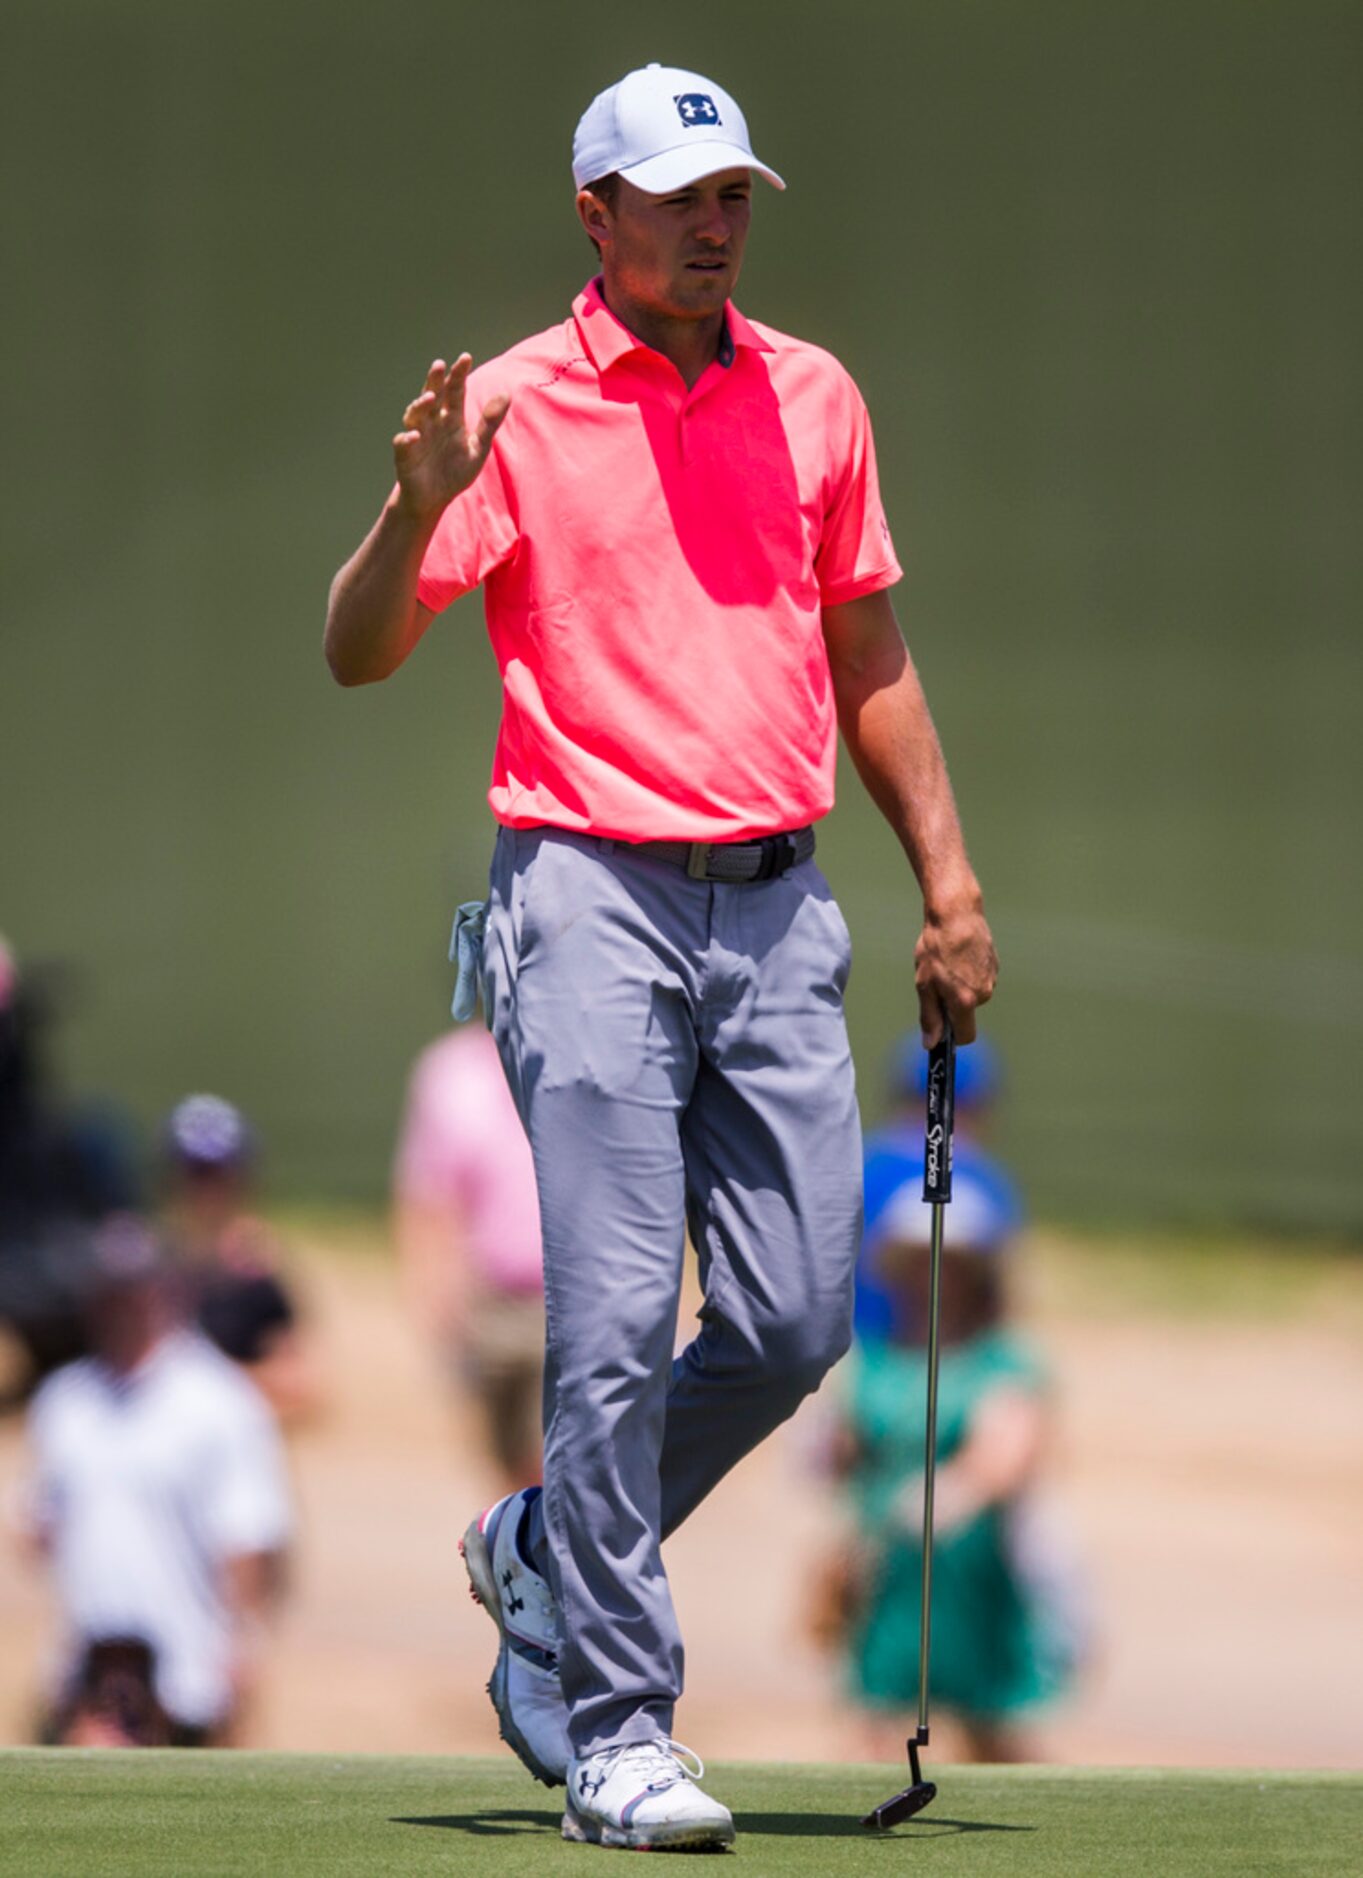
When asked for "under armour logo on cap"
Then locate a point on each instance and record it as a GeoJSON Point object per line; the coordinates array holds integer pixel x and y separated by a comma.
{"type": "Point", "coordinates": [694, 107]}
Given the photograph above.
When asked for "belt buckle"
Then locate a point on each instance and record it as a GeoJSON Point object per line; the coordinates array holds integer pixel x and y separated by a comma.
{"type": "Point", "coordinates": [698, 860]}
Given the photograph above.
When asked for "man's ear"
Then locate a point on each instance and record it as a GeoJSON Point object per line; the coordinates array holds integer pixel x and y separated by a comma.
{"type": "Point", "coordinates": [594, 216]}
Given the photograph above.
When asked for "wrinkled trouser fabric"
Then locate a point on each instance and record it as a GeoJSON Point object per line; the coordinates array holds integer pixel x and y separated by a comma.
{"type": "Point", "coordinates": [678, 1052]}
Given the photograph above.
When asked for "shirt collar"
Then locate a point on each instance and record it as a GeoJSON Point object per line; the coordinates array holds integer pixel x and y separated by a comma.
{"type": "Point", "coordinates": [607, 340]}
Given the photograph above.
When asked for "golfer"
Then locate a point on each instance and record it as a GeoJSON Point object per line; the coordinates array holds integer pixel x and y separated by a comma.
{"type": "Point", "coordinates": [673, 512]}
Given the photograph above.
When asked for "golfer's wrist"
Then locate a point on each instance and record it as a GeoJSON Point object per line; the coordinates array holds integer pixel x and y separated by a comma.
{"type": "Point", "coordinates": [951, 894]}
{"type": "Point", "coordinates": [406, 513]}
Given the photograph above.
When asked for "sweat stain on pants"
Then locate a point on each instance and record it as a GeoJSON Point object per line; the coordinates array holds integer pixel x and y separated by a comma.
{"type": "Point", "coordinates": [678, 1053]}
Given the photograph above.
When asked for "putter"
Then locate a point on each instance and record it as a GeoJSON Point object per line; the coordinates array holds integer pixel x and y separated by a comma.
{"type": "Point", "coordinates": [936, 1192]}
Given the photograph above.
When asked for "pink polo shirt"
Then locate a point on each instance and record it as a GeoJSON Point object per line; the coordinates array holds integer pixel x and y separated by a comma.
{"type": "Point", "coordinates": [654, 563]}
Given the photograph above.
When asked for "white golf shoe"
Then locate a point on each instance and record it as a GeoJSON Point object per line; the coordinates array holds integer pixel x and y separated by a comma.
{"type": "Point", "coordinates": [524, 1686]}
{"type": "Point", "coordinates": [643, 1798]}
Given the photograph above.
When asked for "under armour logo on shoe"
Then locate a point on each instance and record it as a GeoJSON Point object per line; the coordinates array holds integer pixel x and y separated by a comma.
{"type": "Point", "coordinates": [696, 107]}
{"type": "Point", "coordinates": [588, 1784]}
{"type": "Point", "coordinates": [513, 1603]}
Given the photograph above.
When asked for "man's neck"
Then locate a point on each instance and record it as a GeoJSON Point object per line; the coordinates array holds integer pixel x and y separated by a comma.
{"type": "Point", "coordinates": [127, 1360]}
{"type": "Point", "coordinates": [691, 344]}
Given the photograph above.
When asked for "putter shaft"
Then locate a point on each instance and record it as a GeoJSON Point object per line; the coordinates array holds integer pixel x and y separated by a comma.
{"type": "Point", "coordinates": [929, 1472]}
{"type": "Point", "coordinates": [936, 1192]}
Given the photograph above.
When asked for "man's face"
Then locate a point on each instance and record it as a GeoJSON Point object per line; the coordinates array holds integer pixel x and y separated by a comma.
{"type": "Point", "coordinates": [679, 254]}
{"type": "Point", "coordinates": [126, 1321]}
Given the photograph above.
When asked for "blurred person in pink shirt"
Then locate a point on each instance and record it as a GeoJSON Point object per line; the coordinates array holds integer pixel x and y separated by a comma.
{"type": "Point", "coordinates": [468, 1233]}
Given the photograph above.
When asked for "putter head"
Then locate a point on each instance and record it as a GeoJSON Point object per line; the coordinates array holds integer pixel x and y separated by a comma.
{"type": "Point", "coordinates": [913, 1799]}
{"type": "Point", "coordinates": [903, 1806]}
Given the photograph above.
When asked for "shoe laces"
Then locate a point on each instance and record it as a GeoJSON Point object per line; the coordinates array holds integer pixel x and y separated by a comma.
{"type": "Point", "coordinates": [661, 1762]}
{"type": "Point", "coordinates": [544, 1604]}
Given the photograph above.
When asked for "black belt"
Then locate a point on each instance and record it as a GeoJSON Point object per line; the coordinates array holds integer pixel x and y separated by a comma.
{"type": "Point", "coordinates": [732, 863]}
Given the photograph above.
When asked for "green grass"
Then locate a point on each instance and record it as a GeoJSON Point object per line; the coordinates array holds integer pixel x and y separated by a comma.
{"type": "Point", "coordinates": [74, 1814]}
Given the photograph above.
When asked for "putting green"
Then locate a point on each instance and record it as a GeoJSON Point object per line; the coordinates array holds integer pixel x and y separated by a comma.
{"type": "Point", "coordinates": [218, 1815]}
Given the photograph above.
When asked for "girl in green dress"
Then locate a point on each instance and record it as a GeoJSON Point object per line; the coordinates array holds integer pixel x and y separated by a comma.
{"type": "Point", "coordinates": [1002, 1643]}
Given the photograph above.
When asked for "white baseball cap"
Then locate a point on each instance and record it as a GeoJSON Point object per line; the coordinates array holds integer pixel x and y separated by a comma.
{"type": "Point", "coordinates": [663, 128]}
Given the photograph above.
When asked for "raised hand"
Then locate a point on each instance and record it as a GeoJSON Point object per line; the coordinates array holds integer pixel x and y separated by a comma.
{"type": "Point", "coordinates": [436, 453]}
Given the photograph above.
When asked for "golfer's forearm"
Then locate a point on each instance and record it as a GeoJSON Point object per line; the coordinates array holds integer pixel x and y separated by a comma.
{"type": "Point", "coordinates": [373, 617]}
{"type": "Point", "coordinates": [890, 736]}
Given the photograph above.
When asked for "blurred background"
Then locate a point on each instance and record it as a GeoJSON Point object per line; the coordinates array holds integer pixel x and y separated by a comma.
{"type": "Point", "coordinates": [1098, 271]}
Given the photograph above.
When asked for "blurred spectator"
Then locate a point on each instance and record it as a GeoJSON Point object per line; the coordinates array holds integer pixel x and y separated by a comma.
{"type": "Point", "coordinates": [61, 1169]}
{"type": "Point", "coordinates": [159, 1498]}
{"type": "Point", "coordinates": [468, 1235]}
{"type": "Point", "coordinates": [1007, 1619]}
{"type": "Point", "coordinates": [894, 1154]}
{"type": "Point", "coordinates": [229, 1258]}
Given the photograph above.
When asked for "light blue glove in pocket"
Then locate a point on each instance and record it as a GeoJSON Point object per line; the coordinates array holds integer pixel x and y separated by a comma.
{"type": "Point", "coordinates": [466, 955]}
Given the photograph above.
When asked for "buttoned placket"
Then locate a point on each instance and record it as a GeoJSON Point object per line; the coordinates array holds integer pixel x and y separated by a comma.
{"type": "Point", "coordinates": [713, 376]}
{"type": "Point", "coordinates": [716, 371]}
{"type": "Point", "coordinates": [710, 380]}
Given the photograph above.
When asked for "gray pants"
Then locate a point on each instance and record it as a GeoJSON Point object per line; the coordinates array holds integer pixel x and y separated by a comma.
{"type": "Point", "coordinates": [677, 1051]}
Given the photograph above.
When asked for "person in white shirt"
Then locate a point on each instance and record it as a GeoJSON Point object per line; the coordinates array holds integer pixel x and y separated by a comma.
{"type": "Point", "coordinates": [160, 1498]}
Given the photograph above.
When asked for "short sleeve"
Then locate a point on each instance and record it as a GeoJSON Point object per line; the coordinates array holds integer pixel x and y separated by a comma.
{"type": "Point", "coordinates": [856, 554]}
{"type": "Point", "coordinates": [247, 1506]}
{"type": "Point", "coordinates": [1013, 1359]}
{"type": "Point", "coordinates": [476, 534]}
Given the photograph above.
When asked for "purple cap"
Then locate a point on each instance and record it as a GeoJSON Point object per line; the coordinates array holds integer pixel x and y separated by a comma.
{"type": "Point", "coordinates": [206, 1131]}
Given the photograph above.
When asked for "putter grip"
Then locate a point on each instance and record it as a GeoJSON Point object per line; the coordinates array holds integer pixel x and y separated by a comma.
{"type": "Point", "coordinates": [941, 1118]}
